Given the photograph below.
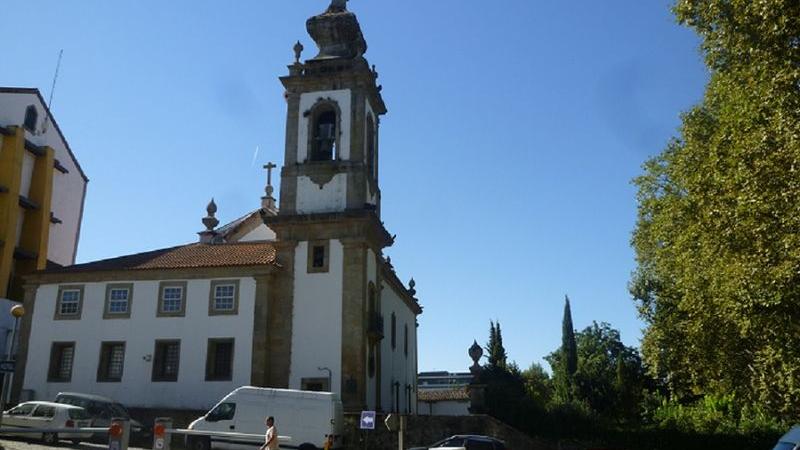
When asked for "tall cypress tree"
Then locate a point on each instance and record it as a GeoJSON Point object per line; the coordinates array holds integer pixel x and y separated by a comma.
{"type": "Point", "coordinates": [568, 345]}
{"type": "Point", "coordinates": [491, 346]}
{"type": "Point", "coordinates": [500, 352]}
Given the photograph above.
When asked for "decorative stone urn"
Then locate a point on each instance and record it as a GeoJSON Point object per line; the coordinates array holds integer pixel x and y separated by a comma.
{"type": "Point", "coordinates": [337, 34]}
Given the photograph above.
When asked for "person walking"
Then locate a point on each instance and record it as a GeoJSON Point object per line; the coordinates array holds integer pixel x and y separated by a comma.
{"type": "Point", "coordinates": [271, 438]}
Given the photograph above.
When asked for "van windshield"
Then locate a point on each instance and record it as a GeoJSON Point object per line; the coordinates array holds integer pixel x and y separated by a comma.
{"type": "Point", "coordinates": [223, 411]}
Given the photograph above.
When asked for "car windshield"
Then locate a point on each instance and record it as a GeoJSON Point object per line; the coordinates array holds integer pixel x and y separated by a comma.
{"type": "Point", "coordinates": [454, 442]}
{"type": "Point", "coordinates": [119, 410]}
{"type": "Point", "coordinates": [78, 414]}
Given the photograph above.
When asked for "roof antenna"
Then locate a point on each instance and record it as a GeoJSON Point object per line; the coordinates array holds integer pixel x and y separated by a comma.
{"type": "Point", "coordinates": [52, 91]}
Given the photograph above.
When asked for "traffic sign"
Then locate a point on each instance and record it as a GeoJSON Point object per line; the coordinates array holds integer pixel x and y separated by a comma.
{"type": "Point", "coordinates": [367, 420]}
{"type": "Point", "coordinates": [7, 366]}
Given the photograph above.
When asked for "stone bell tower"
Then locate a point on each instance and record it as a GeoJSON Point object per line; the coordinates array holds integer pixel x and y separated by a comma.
{"type": "Point", "coordinates": [329, 233]}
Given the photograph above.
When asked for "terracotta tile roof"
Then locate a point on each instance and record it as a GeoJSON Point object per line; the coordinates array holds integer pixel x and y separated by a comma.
{"type": "Point", "coordinates": [183, 257]}
{"type": "Point", "coordinates": [441, 395]}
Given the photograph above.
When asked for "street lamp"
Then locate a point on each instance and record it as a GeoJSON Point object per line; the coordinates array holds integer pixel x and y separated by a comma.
{"type": "Point", "coordinates": [17, 311]}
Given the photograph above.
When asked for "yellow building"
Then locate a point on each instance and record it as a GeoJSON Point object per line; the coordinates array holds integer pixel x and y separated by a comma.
{"type": "Point", "coordinates": [42, 190]}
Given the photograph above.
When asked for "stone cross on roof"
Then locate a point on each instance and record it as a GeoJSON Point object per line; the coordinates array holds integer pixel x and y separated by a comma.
{"type": "Point", "coordinates": [268, 201]}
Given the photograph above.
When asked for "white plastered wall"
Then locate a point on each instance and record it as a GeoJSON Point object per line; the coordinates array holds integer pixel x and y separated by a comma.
{"type": "Point", "coordinates": [260, 233]}
{"type": "Point", "coordinates": [68, 189]}
{"type": "Point", "coordinates": [372, 197]}
{"type": "Point", "coordinates": [331, 197]}
{"type": "Point", "coordinates": [140, 332]}
{"type": "Point", "coordinates": [396, 365]}
{"type": "Point", "coordinates": [317, 318]}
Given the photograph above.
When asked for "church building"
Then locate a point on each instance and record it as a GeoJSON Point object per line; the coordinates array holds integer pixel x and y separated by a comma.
{"type": "Point", "coordinates": [292, 295]}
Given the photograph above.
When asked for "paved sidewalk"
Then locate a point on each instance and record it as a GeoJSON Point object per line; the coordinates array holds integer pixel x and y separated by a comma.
{"type": "Point", "coordinates": [23, 444]}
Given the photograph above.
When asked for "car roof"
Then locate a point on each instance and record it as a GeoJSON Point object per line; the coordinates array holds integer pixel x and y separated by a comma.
{"type": "Point", "coordinates": [54, 404]}
{"type": "Point", "coordinates": [473, 436]}
{"type": "Point", "coordinates": [793, 436]}
{"type": "Point", "coordinates": [88, 396]}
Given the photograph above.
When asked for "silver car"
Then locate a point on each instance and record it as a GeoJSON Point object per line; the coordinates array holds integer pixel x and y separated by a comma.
{"type": "Point", "coordinates": [48, 415]}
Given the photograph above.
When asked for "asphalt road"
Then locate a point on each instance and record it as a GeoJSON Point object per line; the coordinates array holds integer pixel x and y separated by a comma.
{"type": "Point", "coordinates": [27, 444]}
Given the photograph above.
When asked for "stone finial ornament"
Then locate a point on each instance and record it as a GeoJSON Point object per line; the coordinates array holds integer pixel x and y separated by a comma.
{"type": "Point", "coordinates": [475, 352]}
{"type": "Point", "coordinates": [411, 287]}
{"type": "Point", "coordinates": [337, 33]}
{"type": "Point", "coordinates": [210, 221]}
{"type": "Point", "coordinates": [338, 6]}
{"type": "Point", "coordinates": [208, 235]}
{"type": "Point", "coordinates": [298, 51]}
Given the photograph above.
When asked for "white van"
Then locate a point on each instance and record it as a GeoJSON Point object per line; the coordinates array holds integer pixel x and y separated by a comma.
{"type": "Point", "coordinates": [306, 418]}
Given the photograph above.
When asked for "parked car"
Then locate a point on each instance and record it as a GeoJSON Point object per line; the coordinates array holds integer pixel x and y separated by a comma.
{"type": "Point", "coordinates": [466, 442]}
{"type": "Point", "coordinates": [102, 410]}
{"type": "Point", "coordinates": [48, 415]}
{"type": "Point", "coordinates": [308, 418]}
{"type": "Point", "coordinates": [790, 440]}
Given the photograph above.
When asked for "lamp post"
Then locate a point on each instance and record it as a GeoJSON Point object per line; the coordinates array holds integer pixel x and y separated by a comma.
{"type": "Point", "coordinates": [17, 311]}
{"type": "Point", "coordinates": [330, 377]}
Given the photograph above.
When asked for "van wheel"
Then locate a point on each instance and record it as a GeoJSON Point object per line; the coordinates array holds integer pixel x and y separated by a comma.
{"type": "Point", "coordinates": [198, 443]}
{"type": "Point", "coordinates": [50, 439]}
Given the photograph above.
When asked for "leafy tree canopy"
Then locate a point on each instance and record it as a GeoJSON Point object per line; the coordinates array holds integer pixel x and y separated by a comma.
{"type": "Point", "coordinates": [717, 239]}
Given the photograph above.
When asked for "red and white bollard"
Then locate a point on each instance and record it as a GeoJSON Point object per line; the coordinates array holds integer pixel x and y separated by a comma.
{"type": "Point", "coordinates": [161, 438]}
{"type": "Point", "coordinates": [119, 434]}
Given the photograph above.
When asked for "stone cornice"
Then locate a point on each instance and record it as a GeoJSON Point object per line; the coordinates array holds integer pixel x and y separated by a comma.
{"type": "Point", "coordinates": [391, 277]}
{"type": "Point", "coordinates": [148, 275]}
{"type": "Point", "coordinates": [336, 74]}
{"type": "Point", "coordinates": [359, 224]}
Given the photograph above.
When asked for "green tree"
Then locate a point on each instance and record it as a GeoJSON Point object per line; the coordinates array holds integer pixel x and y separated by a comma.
{"type": "Point", "coordinates": [564, 362]}
{"type": "Point", "coordinates": [538, 385]}
{"type": "Point", "coordinates": [609, 378]}
{"type": "Point", "coordinates": [496, 353]}
{"type": "Point", "coordinates": [717, 239]}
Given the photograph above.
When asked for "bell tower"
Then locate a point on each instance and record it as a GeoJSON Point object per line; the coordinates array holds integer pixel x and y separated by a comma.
{"type": "Point", "coordinates": [334, 105]}
{"type": "Point", "coordinates": [330, 237]}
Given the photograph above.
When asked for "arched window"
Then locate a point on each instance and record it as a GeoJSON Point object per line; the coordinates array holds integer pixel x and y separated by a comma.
{"type": "Point", "coordinates": [31, 117]}
{"type": "Point", "coordinates": [323, 145]}
{"type": "Point", "coordinates": [371, 147]}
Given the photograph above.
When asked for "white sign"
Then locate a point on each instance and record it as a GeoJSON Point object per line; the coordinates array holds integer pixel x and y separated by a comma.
{"type": "Point", "coordinates": [367, 420]}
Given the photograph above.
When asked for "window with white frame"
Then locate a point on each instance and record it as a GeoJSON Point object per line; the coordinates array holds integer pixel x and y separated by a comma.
{"type": "Point", "coordinates": [224, 297]}
{"type": "Point", "coordinates": [172, 299]}
{"type": "Point", "coordinates": [68, 303]}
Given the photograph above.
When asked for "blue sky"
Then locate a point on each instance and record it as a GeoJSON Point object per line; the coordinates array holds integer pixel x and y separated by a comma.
{"type": "Point", "coordinates": [514, 130]}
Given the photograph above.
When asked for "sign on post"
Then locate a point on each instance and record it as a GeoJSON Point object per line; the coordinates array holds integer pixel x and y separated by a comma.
{"type": "Point", "coordinates": [7, 366]}
{"type": "Point", "coordinates": [367, 420]}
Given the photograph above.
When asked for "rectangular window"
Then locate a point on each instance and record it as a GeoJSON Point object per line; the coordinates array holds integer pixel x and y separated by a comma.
{"type": "Point", "coordinates": [166, 360]}
{"type": "Point", "coordinates": [219, 360]}
{"type": "Point", "coordinates": [224, 297]}
{"type": "Point", "coordinates": [172, 299]}
{"type": "Point", "coordinates": [69, 303]}
{"type": "Point", "coordinates": [318, 256]}
{"type": "Point", "coordinates": [118, 301]}
{"type": "Point", "coordinates": [112, 360]}
{"type": "Point", "coordinates": [62, 354]}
